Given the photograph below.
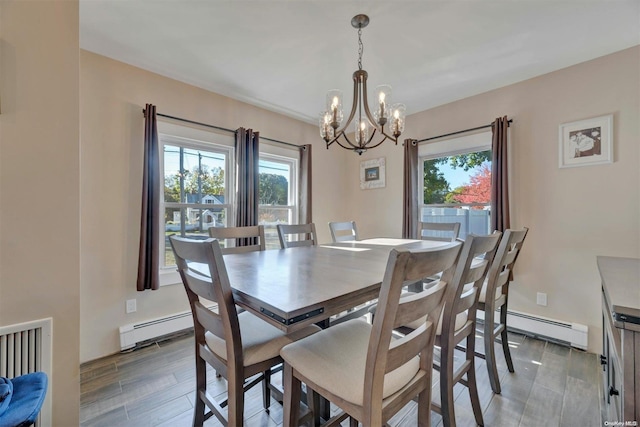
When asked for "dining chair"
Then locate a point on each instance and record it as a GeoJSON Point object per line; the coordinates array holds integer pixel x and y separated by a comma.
{"type": "Point", "coordinates": [440, 231]}
{"type": "Point", "coordinates": [344, 231]}
{"type": "Point", "coordinates": [495, 296]}
{"type": "Point", "coordinates": [359, 366]}
{"type": "Point", "coordinates": [237, 346]}
{"type": "Point", "coordinates": [458, 323]}
{"type": "Point", "coordinates": [247, 239]}
{"type": "Point", "coordinates": [304, 235]}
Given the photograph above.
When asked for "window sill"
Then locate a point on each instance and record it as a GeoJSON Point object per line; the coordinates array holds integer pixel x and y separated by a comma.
{"type": "Point", "coordinates": [169, 276]}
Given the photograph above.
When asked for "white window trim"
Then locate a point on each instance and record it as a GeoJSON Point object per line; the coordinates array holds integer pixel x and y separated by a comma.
{"type": "Point", "coordinates": [206, 141]}
{"type": "Point", "coordinates": [293, 179]}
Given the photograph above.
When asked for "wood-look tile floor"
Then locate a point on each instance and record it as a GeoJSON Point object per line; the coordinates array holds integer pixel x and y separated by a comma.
{"type": "Point", "coordinates": [154, 386]}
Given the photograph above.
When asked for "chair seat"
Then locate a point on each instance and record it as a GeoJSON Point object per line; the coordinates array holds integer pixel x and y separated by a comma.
{"type": "Point", "coordinates": [335, 359]}
{"type": "Point", "coordinates": [260, 340]}
{"type": "Point", "coordinates": [27, 395]}
{"type": "Point", "coordinates": [483, 292]}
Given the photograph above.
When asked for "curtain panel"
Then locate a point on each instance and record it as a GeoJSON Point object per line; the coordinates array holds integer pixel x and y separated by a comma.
{"type": "Point", "coordinates": [500, 216]}
{"type": "Point", "coordinates": [247, 172]}
{"type": "Point", "coordinates": [410, 190]}
{"type": "Point", "coordinates": [304, 187]}
{"type": "Point", "coordinates": [149, 256]}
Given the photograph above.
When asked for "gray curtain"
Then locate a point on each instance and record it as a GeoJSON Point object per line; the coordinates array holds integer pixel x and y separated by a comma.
{"type": "Point", "coordinates": [410, 190]}
{"type": "Point", "coordinates": [247, 159]}
{"type": "Point", "coordinates": [149, 257]}
{"type": "Point", "coordinates": [305, 185]}
{"type": "Point", "coordinates": [500, 218]}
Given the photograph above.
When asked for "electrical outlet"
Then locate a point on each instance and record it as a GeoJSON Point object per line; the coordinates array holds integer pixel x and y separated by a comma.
{"type": "Point", "coordinates": [131, 306]}
{"type": "Point", "coordinates": [541, 299]}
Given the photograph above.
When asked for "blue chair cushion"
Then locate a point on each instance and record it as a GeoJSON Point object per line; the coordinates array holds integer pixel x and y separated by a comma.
{"type": "Point", "coordinates": [6, 390]}
{"type": "Point", "coordinates": [28, 395]}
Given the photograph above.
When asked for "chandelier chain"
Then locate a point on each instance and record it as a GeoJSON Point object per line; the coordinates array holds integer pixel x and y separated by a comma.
{"type": "Point", "coordinates": [360, 48]}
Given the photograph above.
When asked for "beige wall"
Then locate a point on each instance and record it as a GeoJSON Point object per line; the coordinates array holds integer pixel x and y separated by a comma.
{"type": "Point", "coordinates": [113, 95]}
{"type": "Point", "coordinates": [39, 183]}
{"type": "Point", "coordinates": [574, 214]}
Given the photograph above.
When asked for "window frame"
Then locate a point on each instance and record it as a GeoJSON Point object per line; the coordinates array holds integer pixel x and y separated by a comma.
{"type": "Point", "coordinates": [294, 175]}
{"type": "Point", "coordinates": [204, 141]}
{"type": "Point", "coordinates": [445, 148]}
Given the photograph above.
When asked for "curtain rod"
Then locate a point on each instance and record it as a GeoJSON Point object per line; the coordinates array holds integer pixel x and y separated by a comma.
{"type": "Point", "coordinates": [459, 132]}
{"type": "Point", "coordinates": [219, 128]}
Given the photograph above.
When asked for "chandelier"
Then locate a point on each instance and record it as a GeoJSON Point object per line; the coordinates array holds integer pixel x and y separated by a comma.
{"type": "Point", "coordinates": [366, 124]}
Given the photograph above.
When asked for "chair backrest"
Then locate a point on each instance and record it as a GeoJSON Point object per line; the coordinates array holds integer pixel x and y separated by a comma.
{"type": "Point", "coordinates": [472, 267]}
{"type": "Point", "coordinates": [440, 231]}
{"type": "Point", "coordinates": [306, 235]}
{"type": "Point", "coordinates": [500, 272]}
{"type": "Point", "coordinates": [343, 231]}
{"type": "Point", "coordinates": [248, 239]}
{"type": "Point", "coordinates": [211, 283]}
{"type": "Point", "coordinates": [384, 355]}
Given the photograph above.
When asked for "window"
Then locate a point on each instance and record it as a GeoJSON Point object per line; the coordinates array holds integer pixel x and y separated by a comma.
{"type": "Point", "coordinates": [197, 190]}
{"type": "Point", "coordinates": [455, 185]}
{"type": "Point", "coordinates": [277, 195]}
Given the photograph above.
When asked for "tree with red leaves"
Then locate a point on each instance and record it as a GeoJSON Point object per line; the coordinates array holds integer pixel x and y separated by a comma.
{"type": "Point", "coordinates": [478, 190]}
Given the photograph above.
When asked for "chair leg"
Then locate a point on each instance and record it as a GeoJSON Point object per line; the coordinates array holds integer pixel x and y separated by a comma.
{"type": "Point", "coordinates": [313, 402]}
{"type": "Point", "coordinates": [472, 384]}
{"type": "Point", "coordinates": [292, 394]}
{"type": "Point", "coordinates": [266, 391]}
{"type": "Point", "coordinates": [505, 339]}
{"type": "Point", "coordinates": [353, 422]}
{"type": "Point", "coordinates": [201, 385]}
{"type": "Point", "coordinates": [235, 391]}
{"type": "Point", "coordinates": [490, 351]}
{"type": "Point", "coordinates": [424, 407]}
{"type": "Point", "coordinates": [446, 386]}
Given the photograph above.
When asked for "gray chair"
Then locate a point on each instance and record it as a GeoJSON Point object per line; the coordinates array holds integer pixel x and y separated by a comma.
{"type": "Point", "coordinates": [295, 235]}
{"type": "Point", "coordinates": [343, 231]}
{"type": "Point", "coordinates": [237, 345]}
{"type": "Point", "coordinates": [458, 323]}
{"type": "Point", "coordinates": [248, 239]}
{"type": "Point", "coordinates": [440, 231]}
{"type": "Point", "coordinates": [494, 295]}
{"type": "Point", "coordinates": [360, 367]}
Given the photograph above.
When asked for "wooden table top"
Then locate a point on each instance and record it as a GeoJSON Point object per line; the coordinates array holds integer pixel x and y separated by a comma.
{"type": "Point", "coordinates": [621, 284]}
{"type": "Point", "coordinates": [294, 287]}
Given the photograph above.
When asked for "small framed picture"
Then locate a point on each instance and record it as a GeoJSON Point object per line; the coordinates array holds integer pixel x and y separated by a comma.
{"type": "Point", "coordinates": [586, 142]}
{"type": "Point", "coordinates": [372, 173]}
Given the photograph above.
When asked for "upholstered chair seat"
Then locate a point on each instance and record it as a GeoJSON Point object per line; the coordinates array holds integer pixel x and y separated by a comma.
{"type": "Point", "coordinates": [260, 340]}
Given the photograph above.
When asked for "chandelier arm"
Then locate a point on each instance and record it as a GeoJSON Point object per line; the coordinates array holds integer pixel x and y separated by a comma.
{"type": "Point", "coordinates": [374, 146]}
{"type": "Point", "coordinates": [366, 144]}
{"type": "Point", "coordinates": [351, 145]}
{"type": "Point", "coordinates": [336, 139]}
{"type": "Point", "coordinates": [355, 103]}
{"type": "Point", "coordinates": [393, 138]}
{"type": "Point", "coordinates": [365, 101]}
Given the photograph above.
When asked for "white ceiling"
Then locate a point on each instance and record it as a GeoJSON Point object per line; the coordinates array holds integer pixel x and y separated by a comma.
{"type": "Point", "coordinates": [284, 55]}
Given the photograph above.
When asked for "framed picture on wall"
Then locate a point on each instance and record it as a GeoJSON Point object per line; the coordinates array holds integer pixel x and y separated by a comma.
{"type": "Point", "coordinates": [586, 142]}
{"type": "Point", "coordinates": [372, 173]}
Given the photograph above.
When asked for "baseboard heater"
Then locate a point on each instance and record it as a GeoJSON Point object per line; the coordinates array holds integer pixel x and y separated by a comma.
{"type": "Point", "coordinates": [571, 334]}
{"type": "Point", "coordinates": [134, 334]}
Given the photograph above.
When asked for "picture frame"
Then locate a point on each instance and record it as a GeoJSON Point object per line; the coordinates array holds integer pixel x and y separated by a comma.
{"type": "Point", "coordinates": [372, 173]}
{"type": "Point", "coordinates": [586, 142]}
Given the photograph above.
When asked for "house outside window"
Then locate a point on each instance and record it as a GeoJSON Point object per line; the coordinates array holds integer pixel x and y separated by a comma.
{"type": "Point", "coordinates": [278, 195]}
{"type": "Point", "coordinates": [455, 183]}
{"type": "Point", "coordinates": [197, 195]}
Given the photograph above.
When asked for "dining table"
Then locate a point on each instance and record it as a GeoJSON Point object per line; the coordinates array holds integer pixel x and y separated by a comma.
{"type": "Point", "coordinates": [292, 288]}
